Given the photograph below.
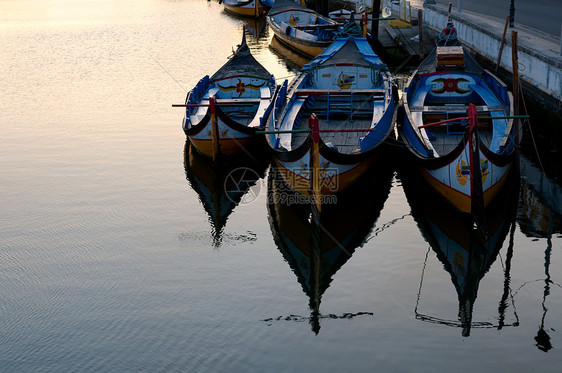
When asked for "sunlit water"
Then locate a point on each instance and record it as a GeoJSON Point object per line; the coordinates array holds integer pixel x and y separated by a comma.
{"type": "Point", "coordinates": [110, 260]}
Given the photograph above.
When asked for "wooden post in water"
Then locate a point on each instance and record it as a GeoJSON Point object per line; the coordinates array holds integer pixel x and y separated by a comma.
{"type": "Point", "coordinates": [515, 84]}
{"type": "Point", "coordinates": [375, 21]}
{"type": "Point", "coordinates": [364, 21]}
{"type": "Point", "coordinates": [501, 45]}
{"type": "Point", "coordinates": [322, 7]}
{"type": "Point", "coordinates": [420, 30]}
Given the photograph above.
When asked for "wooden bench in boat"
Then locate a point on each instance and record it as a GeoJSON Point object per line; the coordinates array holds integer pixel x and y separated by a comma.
{"type": "Point", "coordinates": [342, 101]}
{"type": "Point", "coordinates": [454, 108]}
{"type": "Point", "coordinates": [238, 101]}
{"type": "Point", "coordinates": [320, 92]}
{"type": "Point", "coordinates": [317, 26]}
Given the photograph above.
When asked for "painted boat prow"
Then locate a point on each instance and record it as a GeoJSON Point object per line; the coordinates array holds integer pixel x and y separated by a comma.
{"type": "Point", "coordinates": [443, 88]}
{"type": "Point", "coordinates": [350, 92]}
{"type": "Point", "coordinates": [224, 111]}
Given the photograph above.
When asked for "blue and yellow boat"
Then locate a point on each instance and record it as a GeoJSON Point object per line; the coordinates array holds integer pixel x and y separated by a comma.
{"type": "Point", "coordinates": [248, 8]}
{"type": "Point", "coordinates": [224, 111]}
{"type": "Point", "coordinates": [334, 119]}
{"type": "Point", "coordinates": [457, 121]}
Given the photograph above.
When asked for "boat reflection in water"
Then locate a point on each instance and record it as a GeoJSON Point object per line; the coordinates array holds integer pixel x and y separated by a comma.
{"type": "Point", "coordinates": [465, 252]}
{"type": "Point", "coordinates": [293, 59]}
{"type": "Point", "coordinates": [254, 26]}
{"type": "Point", "coordinates": [317, 248]}
{"type": "Point", "coordinates": [222, 185]}
{"type": "Point", "coordinates": [540, 217]}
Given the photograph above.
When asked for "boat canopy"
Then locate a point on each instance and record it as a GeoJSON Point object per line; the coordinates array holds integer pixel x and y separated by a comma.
{"type": "Point", "coordinates": [242, 63]}
{"type": "Point", "coordinates": [351, 50]}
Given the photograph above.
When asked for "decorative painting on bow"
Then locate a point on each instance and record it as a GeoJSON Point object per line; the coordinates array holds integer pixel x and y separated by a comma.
{"type": "Point", "coordinates": [451, 86]}
{"type": "Point", "coordinates": [223, 133]}
{"type": "Point", "coordinates": [484, 168]}
{"type": "Point", "coordinates": [293, 20]}
{"type": "Point", "coordinates": [241, 87]}
{"type": "Point", "coordinates": [303, 169]}
{"type": "Point", "coordinates": [345, 81]}
{"type": "Point", "coordinates": [324, 168]}
{"type": "Point", "coordinates": [463, 171]}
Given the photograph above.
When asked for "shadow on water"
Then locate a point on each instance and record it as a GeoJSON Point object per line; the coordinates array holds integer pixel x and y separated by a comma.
{"type": "Point", "coordinates": [224, 185]}
{"type": "Point", "coordinates": [464, 252]}
{"type": "Point", "coordinates": [316, 251]}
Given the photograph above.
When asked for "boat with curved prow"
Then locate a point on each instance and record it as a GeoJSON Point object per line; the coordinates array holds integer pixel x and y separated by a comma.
{"type": "Point", "coordinates": [303, 29]}
{"type": "Point", "coordinates": [224, 111]}
{"type": "Point", "coordinates": [347, 95]}
{"type": "Point", "coordinates": [457, 121]}
{"type": "Point", "coordinates": [248, 8]}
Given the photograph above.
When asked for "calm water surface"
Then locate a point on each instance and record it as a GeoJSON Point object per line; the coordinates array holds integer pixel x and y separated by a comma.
{"type": "Point", "coordinates": [116, 255]}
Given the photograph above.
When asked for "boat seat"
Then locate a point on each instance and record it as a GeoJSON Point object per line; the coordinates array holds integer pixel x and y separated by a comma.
{"type": "Point", "coordinates": [235, 101]}
{"type": "Point", "coordinates": [303, 35]}
{"type": "Point", "coordinates": [454, 108]}
{"type": "Point", "coordinates": [291, 116]}
{"type": "Point", "coordinates": [319, 92]}
{"type": "Point", "coordinates": [202, 110]}
{"type": "Point", "coordinates": [264, 102]}
{"type": "Point", "coordinates": [265, 93]}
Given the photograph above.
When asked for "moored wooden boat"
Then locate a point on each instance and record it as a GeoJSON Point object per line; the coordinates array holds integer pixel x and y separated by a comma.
{"type": "Point", "coordinates": [248, 8]}
{"type": "Point", "coordinates": [457, 121]}
{"type": "Point", "coordinates": [304, 30]}
{"type": "Point", "coordinates": [224, 112]}
{"type": "Point", "coordinates": [346, 93]}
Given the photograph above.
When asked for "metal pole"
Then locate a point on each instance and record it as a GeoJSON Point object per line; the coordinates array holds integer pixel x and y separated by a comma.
{"type": "Point", "coordinates": [515, 84]}
{"type": "Point", "coordinates": [561, 39]}
{"type": "Point", "coordinates": [512, 14]}
{"type": "Point", "coordinates": [375, 21]}
{"type": "Point", "coordinates": [459, 5]}
{"type": "Point", "coordinates": [420, 30]}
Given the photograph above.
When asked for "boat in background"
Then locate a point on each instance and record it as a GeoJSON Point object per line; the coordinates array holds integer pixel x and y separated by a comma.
{"type": "Point", "coordinates": [465, 253]}
{"type": "Point", "coordinates": [223, 186]}
{"type": "Point", "coordinates": [305, 30]}
{"type": "Point", "coordinates": [316, 249]}
{"type": "Point", "coordinates": [457, 121]}
{"type": "Point", "coordinates": [334, 120]}
{"type": "Point", "coordinates": [224, 112]}
{"type": "Point", "coordinates": [248, 8]}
